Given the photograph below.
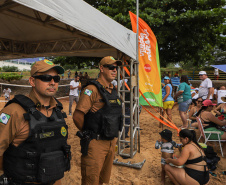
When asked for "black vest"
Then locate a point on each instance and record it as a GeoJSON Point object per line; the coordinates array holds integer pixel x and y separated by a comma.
{"type": "Point", "coordinates": [107, 121]}
{"type": "Point", "coordinates": [44, 156]}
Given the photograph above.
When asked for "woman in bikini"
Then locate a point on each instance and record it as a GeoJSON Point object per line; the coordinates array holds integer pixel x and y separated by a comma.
{"type": "Point", "coordinates": [212, 123]}
{"type": "Point", "coordinates": [192, 156]}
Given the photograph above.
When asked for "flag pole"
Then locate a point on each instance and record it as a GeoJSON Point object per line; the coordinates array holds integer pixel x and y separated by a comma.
{"type": "Point", "coordinates": [137, 11]}
{"type": "Point", "coordinates": [137, 70]}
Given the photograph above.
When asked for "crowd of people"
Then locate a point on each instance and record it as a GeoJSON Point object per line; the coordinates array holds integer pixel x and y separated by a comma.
{"type": "Point", "coordinates": [33, 131]}
{"type": "Point", "coordinates": [190, 99]}
{"type": "Point", "coordinates": [202, 102]}
{"type": "Point", "coordinates": [82, 76]}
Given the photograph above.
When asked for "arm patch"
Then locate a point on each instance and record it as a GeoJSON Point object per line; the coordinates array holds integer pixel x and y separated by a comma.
{"type": "Point", "coordinates": [4, 118]}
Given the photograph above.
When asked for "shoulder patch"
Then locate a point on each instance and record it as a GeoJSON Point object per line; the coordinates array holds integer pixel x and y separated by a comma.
{"type": "Point", "coordinates": [4, 118]}
{"type": "Point", "coordinates": [63, 131]}
{"type": "Point", "coordinates": [88, 92]}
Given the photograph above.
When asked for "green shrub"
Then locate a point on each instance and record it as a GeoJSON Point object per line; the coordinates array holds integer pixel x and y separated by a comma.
{"type": "Point", "coordinates": [10, 69]}
{"type": "Point", "coordinates": [10, 76]}
{"type": "Point", "coordinates": [69, 66]}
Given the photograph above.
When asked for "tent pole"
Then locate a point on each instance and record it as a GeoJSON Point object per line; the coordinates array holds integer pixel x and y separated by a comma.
{"type": "Point", "coordinates": [137, 11]}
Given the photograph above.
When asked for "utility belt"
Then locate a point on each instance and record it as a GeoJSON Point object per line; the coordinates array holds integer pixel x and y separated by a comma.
{"type": "Point", "coordinates": [100, 137]}
{"type": "Point", "coordinates": [86, 137]}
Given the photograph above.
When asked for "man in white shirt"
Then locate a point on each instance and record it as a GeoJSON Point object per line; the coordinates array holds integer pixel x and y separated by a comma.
{"type": "Point", "coordinates": [205, 88]}
{"type": "Point", "coordinates": [7, 92]}
{"type": "Point", "coordinates": [75, 86]}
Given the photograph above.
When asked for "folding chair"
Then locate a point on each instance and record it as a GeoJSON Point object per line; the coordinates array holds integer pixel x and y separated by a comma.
{"type": "Point", "coordinates": [201, 129]}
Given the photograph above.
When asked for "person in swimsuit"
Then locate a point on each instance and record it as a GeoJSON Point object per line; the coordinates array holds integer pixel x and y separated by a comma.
{"type": "Point", "coordinates": [167, 99]}
{"type": "Point", "coordinates": [221, 109]}
{"type": "Point", "coordinates": [212, 123]}
{"type": "Point", "coordinates": [167, 149]}
{"type": "Point", "coordinates": [193, 157]}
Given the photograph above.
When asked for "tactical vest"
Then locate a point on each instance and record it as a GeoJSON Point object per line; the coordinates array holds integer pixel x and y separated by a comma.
{"type": "Point", "coordinates": [44, 156]}
{"type": "Point", "coordinates": [107, 121]}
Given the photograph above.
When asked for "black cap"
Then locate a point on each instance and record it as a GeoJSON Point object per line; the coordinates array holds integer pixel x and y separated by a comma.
{"type": "Point", "coordinates": [166, 134]}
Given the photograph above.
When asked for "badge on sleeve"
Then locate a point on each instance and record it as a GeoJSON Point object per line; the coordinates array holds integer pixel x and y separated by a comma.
{"type": "Point", "coordinates": [88, 92]}
{"type": "Point", "coordinates": [4, 118]}
{"type": "Point", "coordinates": [63, 131]}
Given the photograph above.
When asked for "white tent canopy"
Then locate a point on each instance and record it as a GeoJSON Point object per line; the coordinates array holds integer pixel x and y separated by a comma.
{"type": "Point", "coordinates": [35, 28]}
{"type": "Point", "coordinates": [31, 28]}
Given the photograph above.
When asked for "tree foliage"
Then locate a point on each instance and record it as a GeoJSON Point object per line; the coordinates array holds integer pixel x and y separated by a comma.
{"type": "Point", "coordinates": [76, 62]}
{"type": "Point", "coordinates": [9, 69]}
{"type": "Point", "coordinates": [186, 30]}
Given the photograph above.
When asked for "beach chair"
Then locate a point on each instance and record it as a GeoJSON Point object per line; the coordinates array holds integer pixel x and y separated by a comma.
{"type": "Point", "coordinates": [203, 132]}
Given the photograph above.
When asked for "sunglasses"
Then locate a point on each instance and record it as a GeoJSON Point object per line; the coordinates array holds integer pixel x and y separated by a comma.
{"type": "Point", "coordinates": [48, 78]}
{"type": "Point", "coordinates": [111, 67]}
{"type": "Point", "coordinates": [199, 101]}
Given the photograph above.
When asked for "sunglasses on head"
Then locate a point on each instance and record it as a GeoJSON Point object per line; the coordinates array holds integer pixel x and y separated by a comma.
{"type": "Point", "coordinates": [111, 67]}
{"type": "Point", "coordinates": [48, 78]}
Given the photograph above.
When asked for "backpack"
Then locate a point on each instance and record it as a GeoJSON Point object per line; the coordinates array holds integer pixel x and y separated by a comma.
{"type": "Point", "coordinates": [211, 158]}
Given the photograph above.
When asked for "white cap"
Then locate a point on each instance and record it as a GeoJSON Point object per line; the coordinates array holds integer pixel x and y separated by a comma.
{"type": "Point", "coordinates": [202, 72]}
{"type": "Point", "coordinates": [196, 89]}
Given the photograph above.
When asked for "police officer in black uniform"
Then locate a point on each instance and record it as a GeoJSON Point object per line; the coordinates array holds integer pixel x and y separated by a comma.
{"type": "Point", "coordinates": [33, 132]}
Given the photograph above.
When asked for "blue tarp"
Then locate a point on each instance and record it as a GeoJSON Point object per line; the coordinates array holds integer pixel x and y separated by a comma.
{"type": "Point", "coordinates": [220, 67]}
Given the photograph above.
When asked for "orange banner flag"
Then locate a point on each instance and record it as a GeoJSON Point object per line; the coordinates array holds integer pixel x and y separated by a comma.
{"type": "Point", "coordinates": [149, 68]}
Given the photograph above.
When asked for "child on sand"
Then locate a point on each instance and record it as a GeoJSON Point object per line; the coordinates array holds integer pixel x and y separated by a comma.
{"type": "Point", "coordinates": [167, 149]}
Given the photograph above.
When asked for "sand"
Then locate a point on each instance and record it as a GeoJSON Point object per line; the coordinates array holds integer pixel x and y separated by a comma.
{"type": "Point", "coordinates": [150, 172]}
